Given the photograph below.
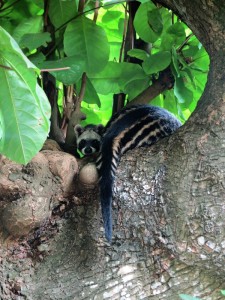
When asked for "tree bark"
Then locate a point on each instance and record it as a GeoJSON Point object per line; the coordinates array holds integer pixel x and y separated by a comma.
{"type": "Point", "coordinates": [168, 209]}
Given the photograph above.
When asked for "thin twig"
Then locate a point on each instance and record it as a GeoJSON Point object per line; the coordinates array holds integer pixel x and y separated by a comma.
{"type": "Point", "coordinates": [55, 69]}
{"type": "Point", "coordinates": [96, 11]}
{"type": "Point", "coordinates": [124, 35]}
{"type": "Point", "coordinates": [83, 86]}
{"type": "Point", "coordinates": [81, 6]}
{"type": "Point", "coordinates": [185, 42]}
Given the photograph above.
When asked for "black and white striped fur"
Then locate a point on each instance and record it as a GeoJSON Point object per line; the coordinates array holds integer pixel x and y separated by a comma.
{"type": "Point", "coordinates": [132, 127]}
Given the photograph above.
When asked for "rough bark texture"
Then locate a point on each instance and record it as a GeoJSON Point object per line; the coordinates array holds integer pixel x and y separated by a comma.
{"type": "Point", "coordinates": [169, 212]}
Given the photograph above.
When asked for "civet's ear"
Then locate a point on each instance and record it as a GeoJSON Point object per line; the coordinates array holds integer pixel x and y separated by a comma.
{"type": "Point", "coordinates": [99, 129]}
{"type": "Point", "coordinates": [78, 130]}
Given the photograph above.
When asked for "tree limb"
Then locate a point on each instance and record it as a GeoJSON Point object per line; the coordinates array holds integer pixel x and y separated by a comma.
{"type": "Point", "coordinates": [163, 83]}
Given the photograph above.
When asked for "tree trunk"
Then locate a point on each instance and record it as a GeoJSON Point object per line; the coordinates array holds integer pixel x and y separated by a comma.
{"type": "Point", "coordinates": [168, 209]}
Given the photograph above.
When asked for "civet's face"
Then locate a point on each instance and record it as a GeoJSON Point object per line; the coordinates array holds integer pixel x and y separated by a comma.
{"type": "Point", "coordinates": [89, 138]}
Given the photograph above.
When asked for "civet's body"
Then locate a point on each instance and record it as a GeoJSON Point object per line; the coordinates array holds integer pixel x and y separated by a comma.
{"type": "Point", "coordinates": [135, 126]}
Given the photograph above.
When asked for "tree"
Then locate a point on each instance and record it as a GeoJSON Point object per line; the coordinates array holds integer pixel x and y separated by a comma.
{"type": "Point", "coordinates": [168, 242]}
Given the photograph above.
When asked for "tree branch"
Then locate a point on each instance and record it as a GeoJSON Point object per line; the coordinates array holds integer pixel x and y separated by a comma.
{"type": "Point", "coordinates": [82, 89]}
{"type": "Point", "coordinates": [164, 82]}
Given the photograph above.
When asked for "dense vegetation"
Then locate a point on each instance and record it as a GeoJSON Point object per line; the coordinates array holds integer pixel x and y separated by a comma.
{"type": "Point", "coordinates": [93, 53]}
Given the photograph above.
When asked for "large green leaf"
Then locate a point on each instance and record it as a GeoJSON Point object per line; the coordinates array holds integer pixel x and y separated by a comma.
{"type": "Point", "coordinates": [116, 76]}
{"type": "Point", "coordinates": [148, 22]}
{"type": "Point", "coordinates": [174, 36]}
{"type": "Point", "coordinates": [37, 58]}
{"type": "Point", "coordinates": [175, 62]}
{"type": "Point", "coordinates": [157, 62]}
{"type": "Point", "coordinates": [31, 25]}
{"type": "Point", "coordinates": [24, 107]}
{"type": "Point", "coordinates": [130, 73]}
{"type": "Point", "coordinates": [138, 53]}
{"type": "Point", "coordinates": [39, 3]}
{"type": "Point", "coordinates": [183, 94]}
{"type": "Point", "coordinates": [61, 11]}
{"type": "Point", "coordinates": [19, 11]}
{"type": "Point", "coordinates": [83, 37]}
{"type": "Point", "coordinates": [35, 40]}
{"type": "Point", "coordinates": [115, 37]}
{"type": "Point", "coordinates": [107, 81]}
{"type": "Point", "coordinates": [135, 87]}
{"type": "Point", "coordinates": [111, 17]}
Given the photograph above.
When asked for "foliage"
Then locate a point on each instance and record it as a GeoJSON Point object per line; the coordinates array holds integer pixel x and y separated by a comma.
{"type": "Point", "coordinates": [24, 107]}
{"type": "Point", "coordinates": [76, 44]}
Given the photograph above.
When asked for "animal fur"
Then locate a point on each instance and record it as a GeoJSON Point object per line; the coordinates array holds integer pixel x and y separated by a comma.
{"type": "Point", "coordinates": [88, 138]}
{"type": "Point", "coordinates": [135, 126]}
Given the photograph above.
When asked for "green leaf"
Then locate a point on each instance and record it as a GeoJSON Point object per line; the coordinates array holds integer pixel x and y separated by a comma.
{"type": "Point", "coordinates": [190, 75]}
{"type": "Point", "coordinates": [37, 58]}
{"type": "Point", "coordinates": [201, 61]}
{"type": "Point", "coordinates": [84, 37]}
{"type": "Point", "coordinates": [189, 50]}
{"type": "Point", "coordinates": [35, 40]}
{"type": "Point", "coordinates": [107, 81]}
{"type": "Point", "coordinates": [135, 87]}
{"type": "Point", "coordinates": [110, 17]}
{"type": "Point", "coordinates": [61, 11]}
{"type": "Point", "coordinates": [138, 53]}
{"type": "Point", "coordinates": [188, 297]}
{"type": "Point", "coordinates": [70, 76]}
{"type": "Point", "coordinates": [92, 116]}
{"type": "Point", "coordinates": [174, 36]}
{"type": "Point", "coordinates": [24, 106]}
{"type": "Point", "coordinates": [157, 62]}
{"type": "Point", "coordinates": [148, 22]}
{"type": "Point", "coordinates": [17, 13]}
{"type": "Point", "coordinates": [31, 25]}
{"type": "Point", "coordinates": [175, 62]}
{"type": "Point", "coordinates": [39, 3]}
{"type": "Point", "coordinates": [130, 73]}
{"type": "Point", "coordinates": [183, 94]}
{"type": "Point", "coordinates": [116, 76]}
{"type": "Point", "coordinates": [155, 21]}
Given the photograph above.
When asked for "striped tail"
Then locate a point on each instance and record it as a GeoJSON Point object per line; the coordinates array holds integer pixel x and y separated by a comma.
{"type": "Point", "coordinates": [107, 164]}
{"type": "Point", "coordinates": [106, 186]}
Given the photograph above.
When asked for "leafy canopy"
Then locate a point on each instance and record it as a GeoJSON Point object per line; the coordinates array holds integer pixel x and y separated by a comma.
{"type": "Point", "coordinates": [83, 45]}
